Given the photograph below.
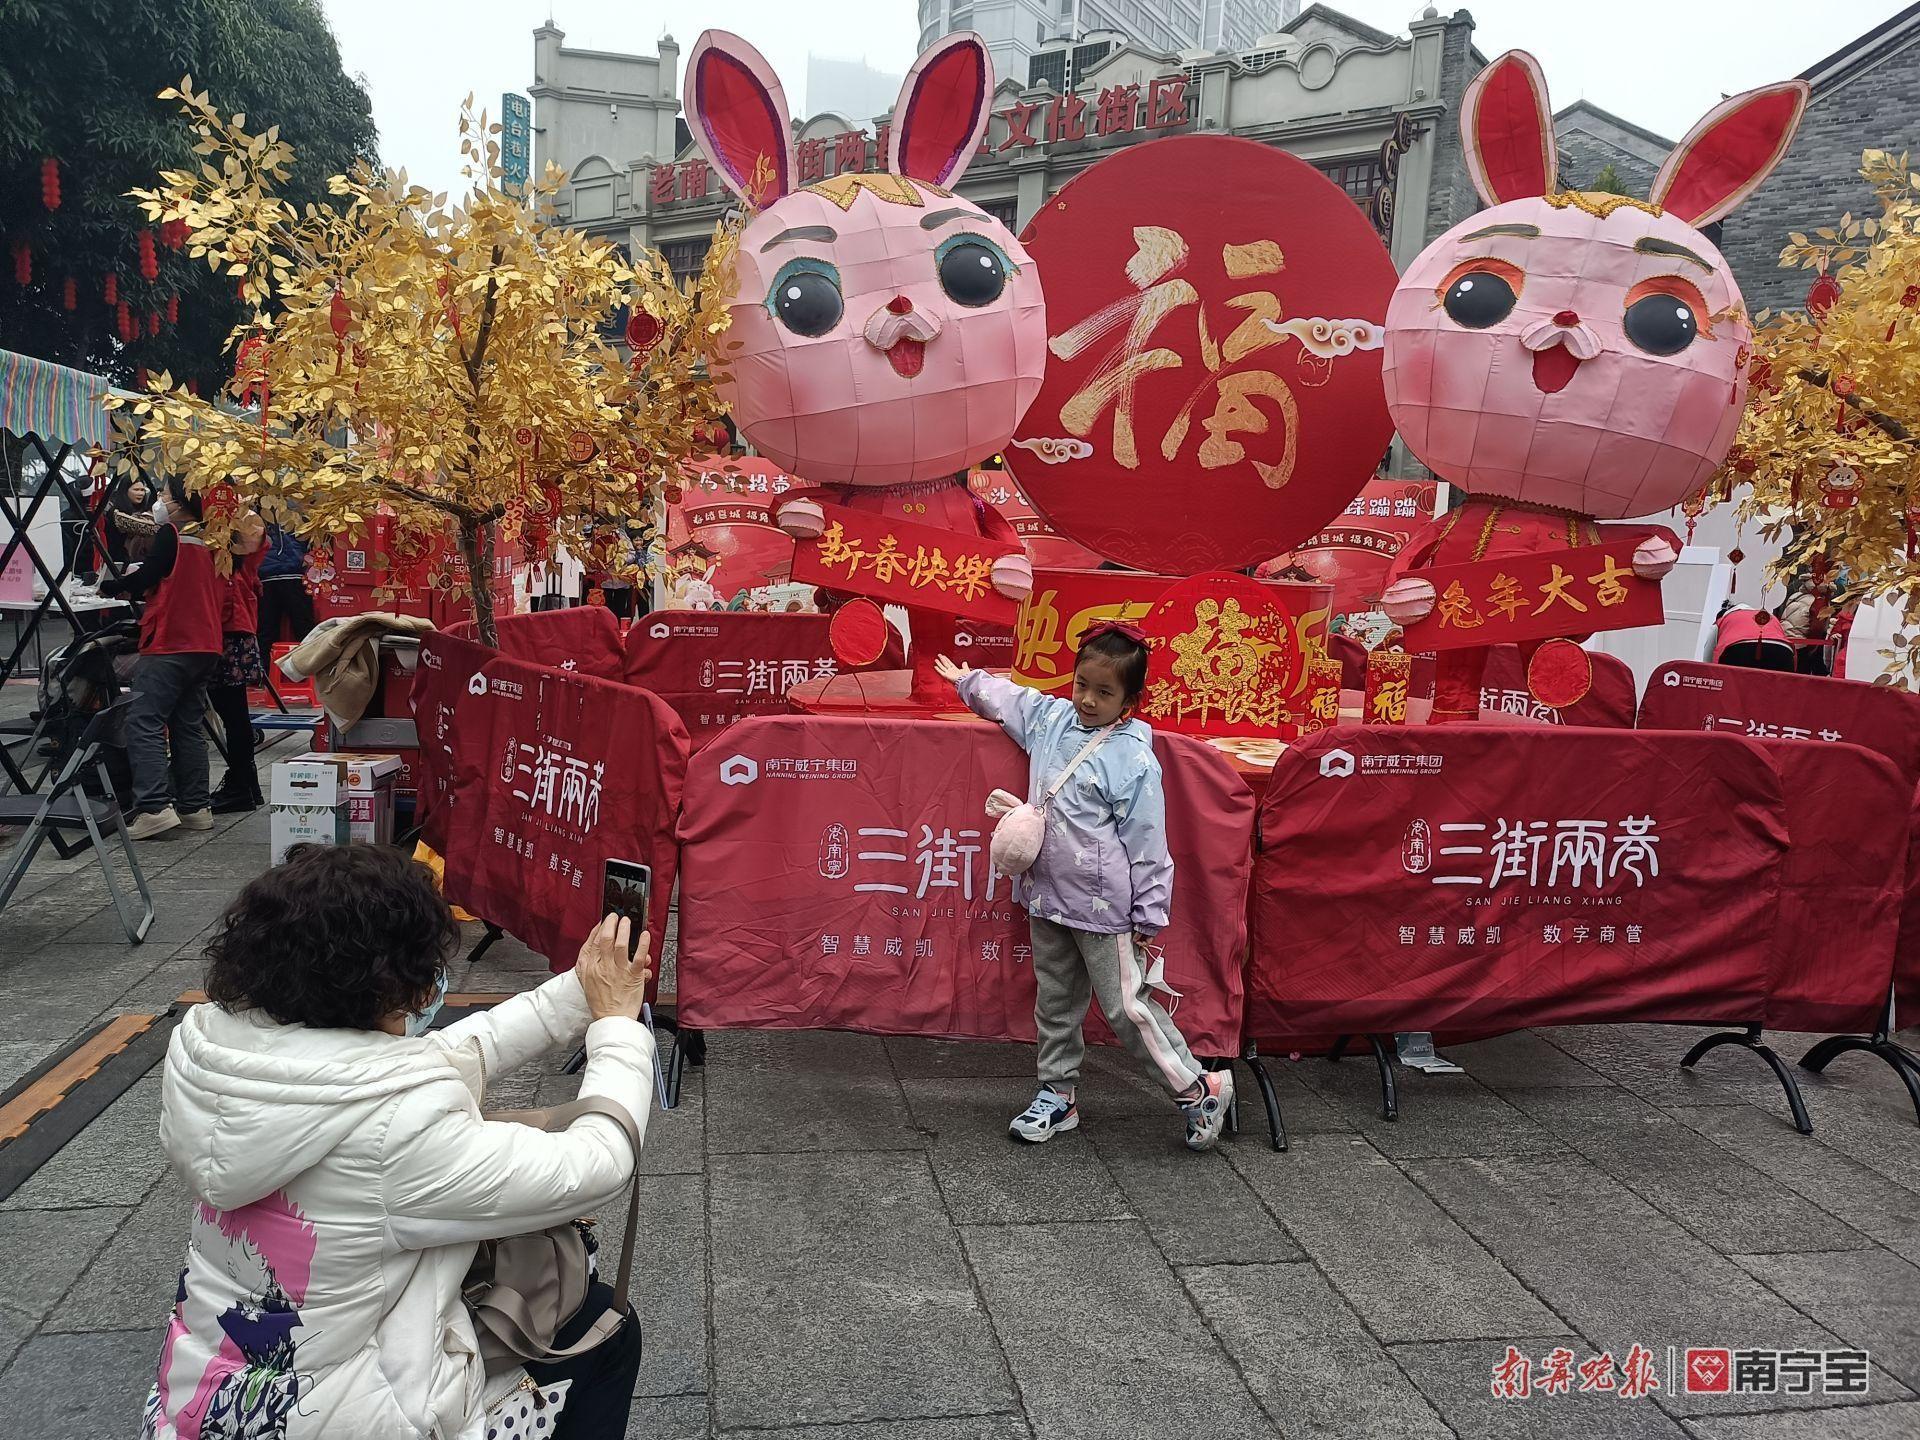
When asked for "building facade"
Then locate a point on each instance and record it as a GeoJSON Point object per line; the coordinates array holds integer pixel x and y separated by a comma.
{"type": "Point", "coordinates": [1015, 30]}
{"type": "Point", "coordinates": [1377, 113]}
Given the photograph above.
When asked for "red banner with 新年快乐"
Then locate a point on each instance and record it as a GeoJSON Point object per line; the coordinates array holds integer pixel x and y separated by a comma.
{"type": "Point", "coordinates": [718, 667]}
{"type": "Point", "coordinates": [835, 876]}
{"type": "Point", "coordinates": [1472, 880]}
{"type": "Point", "coordinates": [1535, 597]}
{"type": "Point", "coordinates": [1771, 705]}
{"type": "Point", "coordinates": [537, 776]}
{"type": "Point", "coordinates": [905, 564]}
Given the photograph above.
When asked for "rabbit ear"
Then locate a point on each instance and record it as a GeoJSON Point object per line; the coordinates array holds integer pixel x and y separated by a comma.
{"type": "Point", "coordinates": [1726, 156]}
{"type": "Point", "coordinates": [942, 110]}
{"type": "Point", "coordinates": [1507, 128]}
{"type": "Point", "coordinates": [738, 115]}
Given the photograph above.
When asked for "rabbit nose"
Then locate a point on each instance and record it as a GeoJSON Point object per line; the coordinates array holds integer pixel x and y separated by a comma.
{"type": "Point", "coordinates": [900, 305]}
{"type": "Point", "coordinates": [1566, 317]}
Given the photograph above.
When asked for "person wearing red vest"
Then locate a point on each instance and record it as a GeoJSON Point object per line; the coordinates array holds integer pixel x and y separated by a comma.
{"type": "Point", "coordinates": [180, 641]}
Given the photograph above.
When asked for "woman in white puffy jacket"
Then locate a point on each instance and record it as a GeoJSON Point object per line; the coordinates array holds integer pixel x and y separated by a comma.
{"type": "Point", "coordinates": [343, 1175]}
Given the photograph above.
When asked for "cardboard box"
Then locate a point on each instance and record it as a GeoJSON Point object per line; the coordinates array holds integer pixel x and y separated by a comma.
{"type": "Point", "coordinates": [363, 790]}
{"type": "Point", "coordinates": [308, 805]}
{"type": "Point", "coordinates": [378, 732]}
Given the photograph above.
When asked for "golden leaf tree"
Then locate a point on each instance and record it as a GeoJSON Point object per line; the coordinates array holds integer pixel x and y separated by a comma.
{"type": "Point", "coordinates": [443, 366]}
{"type": "Point", "coordinates": [1828, 441]}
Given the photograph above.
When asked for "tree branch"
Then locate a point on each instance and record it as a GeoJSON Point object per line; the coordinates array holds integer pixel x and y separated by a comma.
{"type": "Point", "coordinates": [464, 513]}
{"type": "Point", "coordinates": [1886, 423]}
{"type": "Point", "coordinates": [486, 320]}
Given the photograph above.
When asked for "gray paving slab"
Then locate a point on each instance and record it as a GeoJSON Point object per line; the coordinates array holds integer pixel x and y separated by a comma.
{"type": "Point", "coordinates": [669, 1281]}
{"type": "Point", "coordinates": [17, 1057]}
{"type": "Point", "coordinates": [1457, 1378]}
{"type": "Point", "coordinates": [667, 1417]}
{"type": "Point", "coordinates": [1619, 1271]}
{"type": "Point", "coordinates": [179, 915]}
{"type": "Point", "coordinates": [1306, 1356]}
{"type": "Point", "coordinates": [1198, 1208]}
{"type": "Point", "coordinates": [1646, 1060]}
{"type": "Point", "coordinates": [165, 983]}
{"type": "Point", "coordinates": [1869, 1298]}
{"type": "Point", "coordinates": [1410, 1270]}
{"type": "Point", "coordinates": [840, 1293]}
{"type": "Point", "coordinates": [1305, 1110]}
{"type": "Point", "coordinates": [1897, 1421]}
{"type": "Point", "coordinates": [1685, 1176]}
{"type": "Point", "coordinates": [784, 1090]}
{"type": "Point", "coordinates": [1865, 1199]}
{"type": "Point", "coordinates": [1440, 1114]}
{"type": "Point", "coordinates": [15, 1329]}
{"type": "Point", "coordinates": [1524, 1058]}
{"type": "Point", "coordinates": [948, 1059]}
{"type": "Point", "coordinates": [114, 1161]}
{"type": "Point", "coordinates": [46, 1250]}
{"type": "Point", "coordinates": [1102, 1337]}
{"type": "Point", "coordinates": [79, 1387]}
{"type": "Point", "coordinates": [988, 1178]}
{"type": "Point", "coordinates": [676, 1138]}
{"type": "Point", "coordinates": [1865, 1124]}
{"type": "Point", "coordinates": [132, 1282]}
{"type": "Point", "coordinates": [969, 1427]}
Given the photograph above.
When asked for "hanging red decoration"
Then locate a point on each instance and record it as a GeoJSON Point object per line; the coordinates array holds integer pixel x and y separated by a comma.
{"type": "Point", "coordinates": [139, 377]}
{"type": "Point", "coordinates": [22, 263]}
{"type": "Point", "coordinates": [1821, 296]}
{"type": "Point", "coordinates": [70, 295]}
{"type": "Point", "coordinates": [453, 313]}
{"type": "Point", "coordinates": [123, 315]}
{"type": "Point", "coordinates": [149, 261]}
{"type": "Point", "coordinates": [193, 388]}
{"type": "Point", "coordinates": [50, 183]}
{"type": "Point", "coordinates": [1840, 488]}
{"type": "Point", "coordinates": [339, 316]}
{"type": "Point", "coordinates": [1692, 507]}
{"type": "Point", "coordinates": [1913, 526]}
{"type": "Point", "coordinates": [153, 323]}
{"type": "Point", "coordinates": [173, 233]}
{"type": "Point", "coordinates": [173, 309]}
{"type": "Point", "coordinates": [110, 291]}
{"type": "Point", "coordinates": [643, 333]}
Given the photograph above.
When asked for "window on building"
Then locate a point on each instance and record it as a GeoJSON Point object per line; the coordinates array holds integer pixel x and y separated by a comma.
{"type": "Point", "coordinates": [1005, 211]}
{"type": "Point", "coordinates": [962, 19]}
{"type": "Point", "coordinates": [685, 257]}
{"type": "Point", "coordinates": [1049, 69]}
{"type": "Point", "coordinates": [1359, 178]}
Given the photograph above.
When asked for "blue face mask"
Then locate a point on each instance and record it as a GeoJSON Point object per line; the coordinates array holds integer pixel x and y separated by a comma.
{"type": "Point", "coordinates": [419, 1021]}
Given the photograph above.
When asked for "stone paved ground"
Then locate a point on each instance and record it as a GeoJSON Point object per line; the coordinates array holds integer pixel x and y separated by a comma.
{"type": "Point", "coordinates": [841, 1241]}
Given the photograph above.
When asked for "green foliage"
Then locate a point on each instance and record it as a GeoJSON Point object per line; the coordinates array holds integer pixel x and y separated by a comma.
{"type": "Point", "coordinates": [80, 81]}
{"type": "Point", "coordinates": [1608, 181]}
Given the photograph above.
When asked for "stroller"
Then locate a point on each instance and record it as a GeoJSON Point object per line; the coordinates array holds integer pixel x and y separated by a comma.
{"type": "Point", "coordinates": [77, 681]}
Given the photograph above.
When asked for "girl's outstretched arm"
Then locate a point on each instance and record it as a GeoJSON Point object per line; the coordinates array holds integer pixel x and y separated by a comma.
{"type": "Point", "coordinates": [1016, 709]}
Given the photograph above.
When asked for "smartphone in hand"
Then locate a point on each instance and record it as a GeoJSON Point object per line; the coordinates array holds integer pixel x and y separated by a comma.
{"type": "Point", "coordinates": [627, 890]}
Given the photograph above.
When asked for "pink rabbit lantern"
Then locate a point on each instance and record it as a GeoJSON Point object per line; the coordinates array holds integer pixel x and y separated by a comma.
{"type": "Point", "coordinates": [892, 332]}
{"type": "Point", "coordinates": [1566, 355]}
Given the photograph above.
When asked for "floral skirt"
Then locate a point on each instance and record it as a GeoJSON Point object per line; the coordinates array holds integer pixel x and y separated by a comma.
{"type": "Point", "coordinates": [239, 663]}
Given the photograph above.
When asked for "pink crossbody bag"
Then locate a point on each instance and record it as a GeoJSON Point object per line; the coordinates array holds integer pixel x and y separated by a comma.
{"type": "Point", "coordinates": [1023, 827]}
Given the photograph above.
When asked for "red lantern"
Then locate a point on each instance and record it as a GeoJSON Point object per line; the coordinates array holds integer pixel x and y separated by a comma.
{"type": "Point", "coordinates": [110, 291]}
{"type": "Point", "coordinates": [193, 388]}
{"type": "Point", "coordinates": [153, 323]}
{"type": "Point", "coordinates": [139, 377]}
{"type": "Point", "coordinates": [173, 233]}
{"type": "Point", "coordinates": [173, 309]}
{"type": "Point", "coordinates": [69, 295]}
{"type": "Point", "coordinates": [50, 183]}
{"type": "Point", "coordinates": [1821, 296]}
{"type": "Point", "coordinates": [149, 261]}
{"type": "Point", "coordinates": [22, 263]}
{"type": "Point", "coordinates": [123, 315]}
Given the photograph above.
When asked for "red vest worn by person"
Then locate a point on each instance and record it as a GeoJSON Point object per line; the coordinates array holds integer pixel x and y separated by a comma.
{"type": "Point", "coordinates": [183, 616]}
{"type": "Point", "coordinates": [240, 595]}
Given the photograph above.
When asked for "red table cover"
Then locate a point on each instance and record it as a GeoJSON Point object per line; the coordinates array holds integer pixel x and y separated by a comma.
{"type": "Point", "coordinates": [1504, 695]}
{"type": "Point", "coordinates": [584, 638]}
{"type": "Point", "coordinates": [715, 667]}
{"type": "Point", "coordinates": [836, 877]}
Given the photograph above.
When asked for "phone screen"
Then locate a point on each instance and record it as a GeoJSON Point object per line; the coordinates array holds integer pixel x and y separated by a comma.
{"type": "Point", "coordinates": [627, 889]}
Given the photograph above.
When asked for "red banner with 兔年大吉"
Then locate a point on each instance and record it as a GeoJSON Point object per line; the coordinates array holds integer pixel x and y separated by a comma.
{"type": "Point", "coordinates": [1475, 880]}
{"type": "Point", "coordinates": [718, 667]}
{"type": "Point", "coordinates": [905, 564]}
{"type": "Point", "coordinates": [1505, 698]}
{"type": "Point", "coordinates": [1534, 597]}
{"type": "Point", "coordinates": [549, 774]}
{"type": "Point", "coordinates": [1770, 705]}
{"type": "Point", "coordinates": [835, 876]}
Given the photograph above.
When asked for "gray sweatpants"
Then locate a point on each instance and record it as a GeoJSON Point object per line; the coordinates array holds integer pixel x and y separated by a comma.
{"type": "Point", "coordinates": [1069, 967]}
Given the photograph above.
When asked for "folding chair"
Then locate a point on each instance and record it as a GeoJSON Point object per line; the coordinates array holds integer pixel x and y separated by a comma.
{"type": "Point", "coordinates": [67, 805]}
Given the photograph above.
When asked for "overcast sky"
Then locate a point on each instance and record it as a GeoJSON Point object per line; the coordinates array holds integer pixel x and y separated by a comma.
{"type": "Point", "coordinates": [1658, 63]}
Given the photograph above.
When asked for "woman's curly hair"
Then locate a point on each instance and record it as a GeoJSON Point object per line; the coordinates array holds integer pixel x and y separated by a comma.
{"type": "Point", "coordinates": [338, 938]}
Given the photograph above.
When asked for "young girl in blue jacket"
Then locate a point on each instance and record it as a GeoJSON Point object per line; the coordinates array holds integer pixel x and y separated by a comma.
{"type": "Point", "coordinates": [1100, 890]}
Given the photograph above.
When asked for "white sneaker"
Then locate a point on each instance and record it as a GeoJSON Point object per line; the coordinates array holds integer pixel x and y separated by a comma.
{"type": "Point", "coordinates": [145, 827]}
{"type": "Point", "coordinates": [197, 820]}
{"type": "Point", "coordinates": [1049, 1113]}
{"type": "Point", "coordinates": [1207, 1116]}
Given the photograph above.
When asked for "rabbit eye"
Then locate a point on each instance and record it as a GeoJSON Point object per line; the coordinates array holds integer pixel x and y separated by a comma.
{"type": "Point", "coordinates": [973, 272]}
{"type": "Point", "coordinates": [1479, 298]}
{"type": "Point", "coordinates": [1661, 324]}
{"type": "Point", "coordinates": [806, 298]}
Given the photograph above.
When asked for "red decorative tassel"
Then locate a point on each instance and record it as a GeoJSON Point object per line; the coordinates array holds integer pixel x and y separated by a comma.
{"type": "Point", "coordinates": [149, 261]}
{"type": "Point", "coordinates": [22, 263]}
{"type": "Point", "coordinates": [173, 309]}
{"type": "Point", "coordinates": [153, 323]}
{"type": "Point", "coordinates": [50, 183]}
{"type": "Point", "coordinates": [70, 295]}
{"type": "Point", "coordinates": [123, 314]}
{"type": "Point", "coordinates": [110, 291]}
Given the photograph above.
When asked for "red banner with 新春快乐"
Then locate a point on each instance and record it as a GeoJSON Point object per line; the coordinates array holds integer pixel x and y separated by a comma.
{"type": "Point", "coordinates": [835, 876]}
{"type": "Point", "coordinates": [894, 562]}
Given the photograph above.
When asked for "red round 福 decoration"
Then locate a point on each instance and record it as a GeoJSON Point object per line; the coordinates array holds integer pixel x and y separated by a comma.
{"type": "Point", "coordinates": [643, 331]}
{"type": "Point", "coordinates": [1559, 674]}
{"type": "Point", "coordinates": [1821, 296]}
{"type": "Point", "coordinates": [858, 633]}
{"type": "Point", "coordinates": [1232, 442]}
